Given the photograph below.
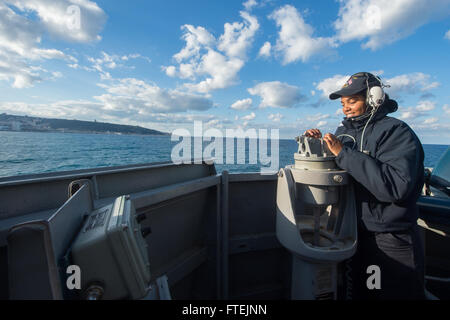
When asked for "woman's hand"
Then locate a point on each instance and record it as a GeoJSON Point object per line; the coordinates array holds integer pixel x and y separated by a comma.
{"type": "Point", "coordinates": [313, 133]}
{"type": "Point", "coordinates": [333, 143]}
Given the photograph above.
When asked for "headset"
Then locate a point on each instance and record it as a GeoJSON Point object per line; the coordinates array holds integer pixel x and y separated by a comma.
{"type": "Point", "coordinates": [375, 97]}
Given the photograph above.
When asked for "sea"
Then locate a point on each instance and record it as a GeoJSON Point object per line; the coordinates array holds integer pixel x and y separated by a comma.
{"type": "Point", "coordinates": [23, 153]}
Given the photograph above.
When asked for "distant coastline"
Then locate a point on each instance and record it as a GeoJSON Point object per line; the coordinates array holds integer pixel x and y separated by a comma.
{"type": "Point", "coordinates": [17, 123]}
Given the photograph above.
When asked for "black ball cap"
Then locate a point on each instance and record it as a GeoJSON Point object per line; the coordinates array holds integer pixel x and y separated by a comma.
{"type": "Point", "coordinates": [355, 84]}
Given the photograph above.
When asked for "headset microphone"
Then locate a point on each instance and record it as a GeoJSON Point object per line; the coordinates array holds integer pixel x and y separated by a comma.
{"type": "Point", "coordinates": [375, 98]}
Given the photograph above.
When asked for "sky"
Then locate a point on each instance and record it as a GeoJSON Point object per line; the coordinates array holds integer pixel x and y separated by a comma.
{"type": "Point", "coordinates": [262, 64]}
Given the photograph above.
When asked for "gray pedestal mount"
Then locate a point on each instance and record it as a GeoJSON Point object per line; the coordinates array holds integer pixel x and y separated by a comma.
{"type": "Point", "coordinates": [316, 219]}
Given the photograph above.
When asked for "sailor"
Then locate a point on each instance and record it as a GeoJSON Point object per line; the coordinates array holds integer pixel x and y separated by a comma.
{"type": "Point", "coordinates": [385, 159]}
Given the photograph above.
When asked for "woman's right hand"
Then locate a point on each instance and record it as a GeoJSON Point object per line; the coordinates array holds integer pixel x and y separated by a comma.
{"type": "Point", "coordinates": [313, 133]}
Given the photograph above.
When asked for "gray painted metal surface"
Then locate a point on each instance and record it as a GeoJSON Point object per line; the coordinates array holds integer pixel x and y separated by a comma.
{"type": "Point", "coordinates": [195, 216]}
{"type": "Point", "coordinates": [202, 227]}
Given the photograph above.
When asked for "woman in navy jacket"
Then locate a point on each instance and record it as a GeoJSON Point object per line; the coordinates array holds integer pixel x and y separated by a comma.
{"type": "Point", "coordinates": [385, 159]}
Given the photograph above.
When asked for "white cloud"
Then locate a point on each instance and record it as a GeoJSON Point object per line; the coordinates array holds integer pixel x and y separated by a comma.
{"type": "Point", "coordinates": [377, 22]}
{"type": "Point", "coordinates": [185, 71]}
{"type": "Point", "coordinates": [56, 75]}
{"type": "Point", "coordinates": [295, 38]}
{"type": "Point", "coordinates": [430, 86]}
{"type": "Point", "coordinates": [179, 118]}
{"type": "Point", "coordinates": [317, 117]}
{"type": "Point", "coordinates": [21, 35]}
{"type": "Point", "coordinates": [216, 62]}
{"type": "Point", "coordinates": [21, 74]}
{"type": "Point", "coordinates": [249, 117]}
{"type": "Point", "coordinates": [171, 71]}
{"type": "Point", "coordinates": [221, 71]}
{"type": "Point", "coordinates": [68, 109]}
{"type": "Point", "coordinates": [329, 85]}
{"type": "Point", "coordinates": [94, 110]}
{"type": "Point", "coordinates": [238, 37]}
{"type": "Point", "coordinates": [106, 60]}
{"type": "Point", "coordinates": [321, 124]}
{"type": "Point", "coordinates": [446, 109]}
{"type": "Point", "coordinates": [277, 94]}
{"type": "Point", "coordinates": [19, 38]}
{"type": "Point", "coordinates": [430, 124]}
{"type": "Point", "coordinates": [421, 110]}
{"type": "Point", "coordinates": [214, 123]}
{"type": "Point", "coordinates": [196, 38]}
{"type": "Point", "coordinates": [59, 20]}
{"type": "Point", "coordinates": [135, 56]}
{"type": "Point", "coordinates": [243, 104]}
{"type": "Point", "coordinates": [170, 122]}
{"type": "Point", "coordinates": [109, 62]}
{"type": "Point", "coordinates": [407, 115]}
{"type": "Point", "coordinates": [265, 50]}
{"type": "Point", "coordinates": [410, 83]}
{"type": "Point", "coordinates": [249, 4]}
{"type": "Point", "coordinates": [424, 106]}
{"type": "Point", "coordinates": [431, 120]}
{"type": "Point", "coordinates": [136, 96]}
{"type": "Point", "coordinates": [128, 101]}
{"type": "Point", "coordinates": [447, 35]}
{"type": "Point", "coordinates": [382, 22]}
{"type": "Point", "coordinates": [442, 129]}
{"type": "Point", "coordinates": [275, 117]}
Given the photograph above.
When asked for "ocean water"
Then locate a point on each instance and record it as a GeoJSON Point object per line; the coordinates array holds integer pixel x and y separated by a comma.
{"type": "Point", "coordinates": [30, 152]}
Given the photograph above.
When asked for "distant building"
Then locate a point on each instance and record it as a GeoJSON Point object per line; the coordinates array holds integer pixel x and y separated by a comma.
{"type": "Point", "coordinates": [16, 126]}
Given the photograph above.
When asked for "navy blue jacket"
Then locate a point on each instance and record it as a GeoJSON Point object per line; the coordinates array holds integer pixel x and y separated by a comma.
{"type": "Point", "coordinates": [388, 174]}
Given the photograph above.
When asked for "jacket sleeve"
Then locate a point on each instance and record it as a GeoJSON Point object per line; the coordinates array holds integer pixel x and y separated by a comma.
{"type": "Point", "coordinates": [394, 171]}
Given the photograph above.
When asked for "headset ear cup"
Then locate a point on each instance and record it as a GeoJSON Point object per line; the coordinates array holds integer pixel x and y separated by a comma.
{"type": "Point", "coordinates": [375, 97]}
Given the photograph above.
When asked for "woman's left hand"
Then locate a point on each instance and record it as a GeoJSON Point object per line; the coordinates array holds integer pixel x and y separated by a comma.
{"type": "Point", "coordinates": [333, 143]}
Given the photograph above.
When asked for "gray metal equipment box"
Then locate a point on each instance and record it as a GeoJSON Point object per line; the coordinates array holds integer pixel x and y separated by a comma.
{"type": "Point", "coordinates": [112, 253]}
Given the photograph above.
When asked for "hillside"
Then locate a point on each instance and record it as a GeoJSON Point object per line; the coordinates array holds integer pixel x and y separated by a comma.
{"type": "Point", "coordinates": [25, 123]}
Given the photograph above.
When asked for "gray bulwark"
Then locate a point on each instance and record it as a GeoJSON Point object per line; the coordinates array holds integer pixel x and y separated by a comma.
{"type": "Point", "coordinates": [183, 206]}
{"type": "Point", "coordinates": [35, 249]}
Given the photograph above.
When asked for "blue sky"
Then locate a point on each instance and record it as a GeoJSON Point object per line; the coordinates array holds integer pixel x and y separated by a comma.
{"type": "Point", "coordinates": [230, 64]}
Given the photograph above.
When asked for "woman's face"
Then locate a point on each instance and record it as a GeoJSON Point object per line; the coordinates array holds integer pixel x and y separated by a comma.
{"type": "Point", "coordinates": [353, 106]}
